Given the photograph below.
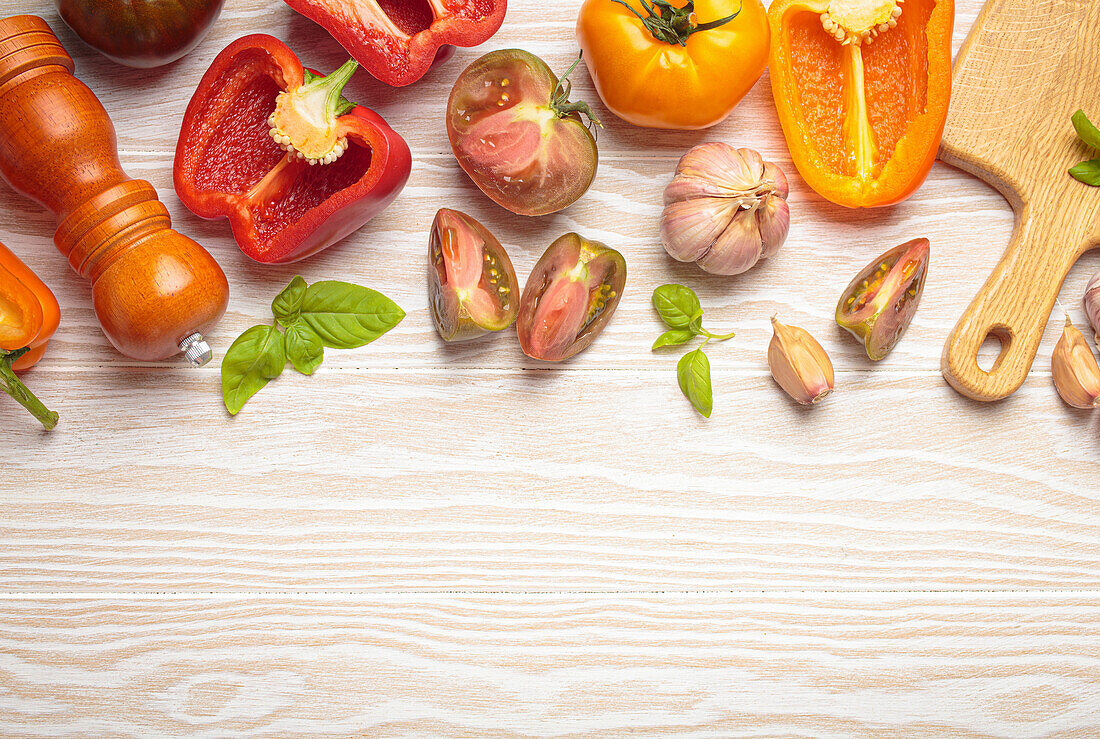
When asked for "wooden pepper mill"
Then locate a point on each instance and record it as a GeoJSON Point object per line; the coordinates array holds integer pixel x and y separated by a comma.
{"type": "Point", "coordinates": [155, 291]}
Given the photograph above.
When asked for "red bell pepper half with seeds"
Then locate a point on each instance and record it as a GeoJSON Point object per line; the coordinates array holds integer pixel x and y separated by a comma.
{"type": "Point", "coordinates": [274, 148]}
{"type": "Point", "coordinates": [397, 40]}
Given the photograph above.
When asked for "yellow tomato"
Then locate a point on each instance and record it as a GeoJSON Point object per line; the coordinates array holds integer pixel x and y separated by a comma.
{"type": "Point", "coordinates": [661, 65]}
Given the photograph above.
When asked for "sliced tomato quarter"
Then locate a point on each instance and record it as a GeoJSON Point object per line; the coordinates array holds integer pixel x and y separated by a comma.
{"type": "Point", "coordinates": [880, 302]}
{"type": "Point", "coordinates": [569, 298]}
{"type": "Point", "coordinates": [472, 285]}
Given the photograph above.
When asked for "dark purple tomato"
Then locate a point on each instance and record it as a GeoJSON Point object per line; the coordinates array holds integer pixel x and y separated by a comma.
{"type": "Point", "coordinates": [880, 302]}
{"type": "Point", "coordinates": [472, 286]}
{"type": "Point", "coordinates": [515, 133]}
{"type": "Point", "coordinates": [569, 298]}
{"type": "Point", "coordinates": [140, 33]}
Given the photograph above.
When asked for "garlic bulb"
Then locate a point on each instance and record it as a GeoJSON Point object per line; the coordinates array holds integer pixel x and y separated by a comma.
{"type": "Point", "coordinates": [725, 209]}
{"type": "Point", "coordinates": [1092, 303]}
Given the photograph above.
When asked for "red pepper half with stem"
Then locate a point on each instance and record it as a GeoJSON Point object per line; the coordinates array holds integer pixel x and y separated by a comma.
{"type": "Point", "coordinates": [276, 149]}
{"type": "Point", "coordinates": [397, 40]}
{"type": "Point", "coordinates": [29, 315]}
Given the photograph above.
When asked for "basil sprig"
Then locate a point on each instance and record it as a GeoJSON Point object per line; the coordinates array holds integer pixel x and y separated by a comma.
{"type": "Point", "coordinates": [335, 314]}
{"type": "Point", "coordinates": [679, 307]}
{"type": "Point", "coordinates": [1087, 171]}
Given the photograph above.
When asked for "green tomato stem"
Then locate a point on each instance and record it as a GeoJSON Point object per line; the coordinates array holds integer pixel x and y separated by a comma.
{"type": "Point", "coordinates": [559, 98]}
{"type": "Point", "coordinates": [674, 25]}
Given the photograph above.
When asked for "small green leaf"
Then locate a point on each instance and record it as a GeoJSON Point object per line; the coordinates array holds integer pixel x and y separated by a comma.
{"type": "Point", "coordinates": [677, 305]}
{"type": "Point", "coordinates": [1085, 130]}
{"type": "Point", "coordinates": [255, 358]}
{"type": "Point", "coordinates": [304, 348]}
{"type": "Point", "coordinates": [345, 316]}
{"type": "Point", "coordinates": [1087, 172]}
{"type": "Point", "coordinates": [675, 337]}
{"type": "Point", "coordinates": [287, 305]}
{"type": "Point", "coordinates": [693, 374]}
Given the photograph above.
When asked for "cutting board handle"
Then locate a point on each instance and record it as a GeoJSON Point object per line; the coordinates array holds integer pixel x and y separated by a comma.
{"type": "Point", "coordinates": [1013, 306]}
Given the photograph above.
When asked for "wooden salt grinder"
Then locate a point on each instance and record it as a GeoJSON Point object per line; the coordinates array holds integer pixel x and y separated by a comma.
{"type": "Point", "coordinates": [155, 291]}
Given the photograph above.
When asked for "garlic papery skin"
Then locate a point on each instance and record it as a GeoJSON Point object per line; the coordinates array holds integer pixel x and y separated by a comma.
{"type": "Point", "coordinates": [725, 209]}
{"type": "Point", "coordinates": [798, 363]}
{"type": "Point", "coordinates": [1073, 366]}
{"type": "Point", "coordinates": [1092, 303]}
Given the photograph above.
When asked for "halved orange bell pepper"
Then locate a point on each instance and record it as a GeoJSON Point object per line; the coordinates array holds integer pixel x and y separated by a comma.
{"type": "Point", "coordinates": [862, 87]}
{"type": "Point", "coordinates": [29, 315]}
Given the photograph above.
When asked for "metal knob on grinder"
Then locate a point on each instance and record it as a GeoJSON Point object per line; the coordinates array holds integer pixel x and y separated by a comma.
{"type": "Point", "coordinates": [153, 289]}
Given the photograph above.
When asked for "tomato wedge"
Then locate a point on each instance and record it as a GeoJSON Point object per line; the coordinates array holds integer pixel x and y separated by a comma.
{"type": "Point", "coordinates": [472, 285]}
{"type": "Point", "coordinates": [515, 133]}
{"type": "Point", "coordinates": [879, 303]}
{"type": "Point", "coordinates": [569, 298]}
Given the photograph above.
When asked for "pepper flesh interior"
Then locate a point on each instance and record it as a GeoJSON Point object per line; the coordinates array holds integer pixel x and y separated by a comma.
{"type": "Point", "coordinates": [878, 70]}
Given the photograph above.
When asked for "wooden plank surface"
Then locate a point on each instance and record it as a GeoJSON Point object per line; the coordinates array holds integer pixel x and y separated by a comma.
{"type": "Point", "coordinates": [700, 665]}
{"type": "Point", "coordinates": [451, 541]}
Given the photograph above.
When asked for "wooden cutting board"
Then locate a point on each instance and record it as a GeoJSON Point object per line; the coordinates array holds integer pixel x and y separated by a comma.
{"type": "Point", "coordinates": [1025, 68]}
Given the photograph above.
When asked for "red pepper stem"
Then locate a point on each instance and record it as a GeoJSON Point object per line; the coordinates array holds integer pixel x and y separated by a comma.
{"type": "Point", "coordinates": [14, 387]}
{"type": "Point", "coordinates": [333, 85]}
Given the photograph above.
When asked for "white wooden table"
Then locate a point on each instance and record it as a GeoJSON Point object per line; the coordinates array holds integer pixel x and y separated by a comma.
{"type": "Point", "coordinates": [450, 541]}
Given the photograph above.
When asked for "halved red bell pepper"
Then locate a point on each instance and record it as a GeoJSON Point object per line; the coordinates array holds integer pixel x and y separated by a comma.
{"type": "Point", "coordinates": [397, 40]}
{"type": "Point", "coordinates": [273, 147]}
{"type": "Point", "coordinates": [29, 315]}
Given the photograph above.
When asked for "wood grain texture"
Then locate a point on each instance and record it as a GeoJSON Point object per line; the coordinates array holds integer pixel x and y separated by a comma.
{"type": "Point", "coordinates": [424, 540]}
{"type": "Point", "coordinates": [1019, 139]}
{"type": "Point", "coordinates": [682, 664]}
{"type": "Point", "coordinates": [341, 481]}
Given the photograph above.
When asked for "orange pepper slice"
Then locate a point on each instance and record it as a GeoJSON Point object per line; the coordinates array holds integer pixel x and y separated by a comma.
{"type": "Point", "coordinates": [862, 88]}
{"type": "Point", "coordinates": [20, 313]}
{"type": "Point", "coordinates": [29, 313]}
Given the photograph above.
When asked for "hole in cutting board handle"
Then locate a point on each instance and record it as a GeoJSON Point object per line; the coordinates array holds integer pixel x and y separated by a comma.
{"type": "Point", "coordinates": [993, 349]}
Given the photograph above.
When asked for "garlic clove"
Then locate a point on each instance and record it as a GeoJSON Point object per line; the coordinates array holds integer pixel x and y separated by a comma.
{"type": "Point", "coordinates": [736, 250]}
{"type": "Point", "coordinates": [754, 164]}
{"type": "Point", "coordinates": [798, 364]}
{"type": "Point", "coordinates": [690, 228]}
{"type": "Point", "coordinates": [775, 175]}
{"type": "Point", "coordinates": [1074, 369]}
{"type": "Point", "coordinates": [773, 219]}
{"type": "Point", "coordinates": [1092, 303]}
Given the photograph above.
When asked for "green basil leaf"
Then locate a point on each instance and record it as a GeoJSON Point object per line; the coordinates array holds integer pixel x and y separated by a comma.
{"type": "Point", "coordinates": [1085, 130]}
{"type": "Point", "coordinates": [304, 348]}
{"type": "Point", "coordinates": [346, 316]}
{"type": "Point", "coordinates": [1087, 172]}
{"type": "Point", "coordinates": [693, 374]}
{"type": "Point", "coordinates": [287, 305]}
{"type": "Point", "coordinates": [674, 337]}
{"type": "Point", "coordinates": [256, 357]}
{"type": "Point", "coordinates": [677, 305]}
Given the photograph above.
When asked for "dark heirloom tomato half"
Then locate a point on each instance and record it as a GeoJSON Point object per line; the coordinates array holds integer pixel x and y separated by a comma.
{"type": "Point", "coordinates": [472, 286]}
{"type": "Point", "coordinates": [569, 298]}
{"type": "Point", "coordinates": [514, 131]}
{"type": "Point", "coordinates": [880, 302]}
{"type": "Point", "coordinates": [140, 33]}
